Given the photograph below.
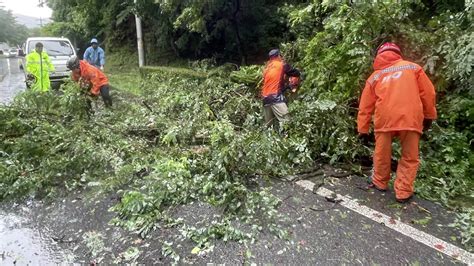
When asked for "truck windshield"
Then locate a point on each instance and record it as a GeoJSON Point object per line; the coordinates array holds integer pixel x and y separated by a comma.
{"type": "Point", "coordinates": [53, 47]}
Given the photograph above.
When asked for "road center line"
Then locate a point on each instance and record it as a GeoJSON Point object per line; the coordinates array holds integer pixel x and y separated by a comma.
{"type": "Point", "coordinates": [405, 229]}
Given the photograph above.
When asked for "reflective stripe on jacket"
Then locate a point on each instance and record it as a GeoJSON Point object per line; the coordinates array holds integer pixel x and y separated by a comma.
{"type": "Point", "coordinates": [399, 94]}
{"type": "Point", "coordinates": [93, 75]}
{"type": "Point", "coordinates": [39, 66]}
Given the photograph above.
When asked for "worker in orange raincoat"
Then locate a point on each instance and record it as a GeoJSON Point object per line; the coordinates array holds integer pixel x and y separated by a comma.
{"type": "Point", "coordinates": [402, 99]}
{"type": "Point", "coordinates": [275, 77]}
{"type": "Point", "coordinates": [86, 73]}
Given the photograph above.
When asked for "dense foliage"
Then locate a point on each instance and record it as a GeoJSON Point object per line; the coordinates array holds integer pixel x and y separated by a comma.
{"type": "Point", "coordinates": [10, 31]}
{"type": "Point", "coordinates": [337, 59]}
{"type": "Point", "coordinates": [227, 30]}
{"type": "Point", "coordinates": [335, 46]}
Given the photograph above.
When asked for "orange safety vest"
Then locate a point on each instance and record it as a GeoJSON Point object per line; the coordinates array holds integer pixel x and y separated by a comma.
{"type": "Point", "coordinates": [93, 75]}
{"type": "Point", "coordinates": [399, 94]}
{"type": "Point", "coordinates": [273, 77]}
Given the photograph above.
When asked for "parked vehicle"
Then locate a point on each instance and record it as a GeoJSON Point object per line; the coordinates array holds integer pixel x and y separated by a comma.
{"type": "Point", "coordinates": [13, 52]}
{"type": "Point", "coordinates": [59, 51]}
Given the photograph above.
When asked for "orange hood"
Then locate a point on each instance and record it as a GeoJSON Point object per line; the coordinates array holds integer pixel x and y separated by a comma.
{"type": "Point", "coordinates": [386, 59]}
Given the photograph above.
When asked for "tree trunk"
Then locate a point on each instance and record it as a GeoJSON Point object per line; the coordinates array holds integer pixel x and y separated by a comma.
{"type": "Point", "coordinates": [235, 24]}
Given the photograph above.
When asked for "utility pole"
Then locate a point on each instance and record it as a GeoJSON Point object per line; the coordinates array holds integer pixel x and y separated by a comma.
{"type": "Point", "coordinates": [41, 5]}
{"type": "Point", "coordinates": [141, 55]}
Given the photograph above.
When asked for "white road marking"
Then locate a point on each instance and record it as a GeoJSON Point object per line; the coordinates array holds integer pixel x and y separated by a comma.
{"type": "Point", "coordinates": [405, 229]}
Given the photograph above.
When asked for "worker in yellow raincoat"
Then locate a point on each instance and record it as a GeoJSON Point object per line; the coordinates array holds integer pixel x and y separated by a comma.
{"type": "Point", "coordinates": [38, 66]}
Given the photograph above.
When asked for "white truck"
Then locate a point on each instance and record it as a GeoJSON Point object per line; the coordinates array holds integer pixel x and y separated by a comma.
{"type": "Point", "coordinates": [58, 49]}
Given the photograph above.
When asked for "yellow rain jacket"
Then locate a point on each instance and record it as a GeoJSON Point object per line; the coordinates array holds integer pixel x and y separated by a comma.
{"type": "Point", "coordinates": [39, 66]}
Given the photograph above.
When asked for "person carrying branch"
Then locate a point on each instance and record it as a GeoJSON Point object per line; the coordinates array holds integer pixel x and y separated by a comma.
{"type": "Point", "coordinates": [275, 78]}
{"type": "Point", "coordinates": [402, 100]}
{"type": "Point", "coordinates": [86, 74]}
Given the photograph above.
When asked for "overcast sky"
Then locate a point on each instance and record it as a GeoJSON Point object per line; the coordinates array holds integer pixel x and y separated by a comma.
{"type": "Point", "coordinates": [27, 8]}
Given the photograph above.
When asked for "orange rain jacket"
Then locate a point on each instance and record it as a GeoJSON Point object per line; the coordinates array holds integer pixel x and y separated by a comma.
{"type": "Point", "coordinates": [93, 75]}
{"type": "Point", "coordinates": [400, 93]}
{"type": "Point", "coordinates": [274, 77]}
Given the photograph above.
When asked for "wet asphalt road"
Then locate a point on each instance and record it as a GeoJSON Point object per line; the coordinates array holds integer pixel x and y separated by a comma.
{"type": "Point", "coordinates": [12, 79]}
{"type": "Point", "coordinates": [321, 233]}
{"type": "Point", "coordinates": [21, 241]}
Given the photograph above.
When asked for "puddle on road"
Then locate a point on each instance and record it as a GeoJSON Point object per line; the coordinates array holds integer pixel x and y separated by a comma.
{"type": "Point", "coordinates": [22, 243]}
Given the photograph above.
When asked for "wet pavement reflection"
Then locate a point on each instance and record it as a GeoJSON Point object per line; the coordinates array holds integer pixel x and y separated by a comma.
{"type": "Point", "coordinates": [12, 79]}
{"type": "Point", "coordinates": [21, 242]}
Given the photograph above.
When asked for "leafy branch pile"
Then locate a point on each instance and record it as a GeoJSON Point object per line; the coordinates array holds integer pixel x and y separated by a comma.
{"type": "Point", "coordinates": [248, 75]}
{"type": "Point", "coordinates": [184, 140]}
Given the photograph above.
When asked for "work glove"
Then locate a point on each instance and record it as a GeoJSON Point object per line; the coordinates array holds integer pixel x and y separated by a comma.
{"type": "Point", "coordinates": [427, 124]}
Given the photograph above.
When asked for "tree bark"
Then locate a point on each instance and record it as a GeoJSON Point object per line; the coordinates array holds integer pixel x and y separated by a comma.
{"type": "Point", "coordinates": [235, 24]}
